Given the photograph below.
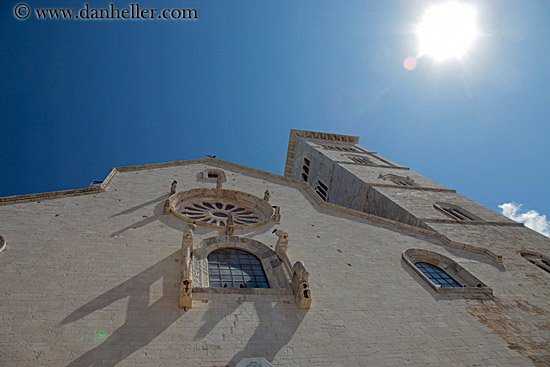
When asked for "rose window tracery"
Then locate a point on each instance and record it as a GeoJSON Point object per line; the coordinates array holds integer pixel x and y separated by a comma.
{"type": "Point", "coordinates": [213, 207]}
{"type": "Point", "coordinates": [217, 213]}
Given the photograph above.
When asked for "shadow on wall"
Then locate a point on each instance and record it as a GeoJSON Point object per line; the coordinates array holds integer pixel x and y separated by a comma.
{"type": "Point", "coordinates": [144, 322]}
{"type": "Point", "coordinates": [277, 321]}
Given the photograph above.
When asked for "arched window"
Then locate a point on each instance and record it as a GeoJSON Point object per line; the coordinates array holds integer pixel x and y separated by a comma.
{"type": "Point", "coordinates": [456, 212]}
{"type": "Point", "coordinates": [231, 268]}
{"type": "Point", "coordinates": [443, 274]}
{"type": "Point", "coordinates": [539, 260]}
{"type": "Point", "coordinates": [436, 275]}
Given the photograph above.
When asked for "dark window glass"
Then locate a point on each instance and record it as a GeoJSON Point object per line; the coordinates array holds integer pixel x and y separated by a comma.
{"type": "Point", "coordinates": [437, 276]}
{"type": "Point", "coordinates": [230, 268]}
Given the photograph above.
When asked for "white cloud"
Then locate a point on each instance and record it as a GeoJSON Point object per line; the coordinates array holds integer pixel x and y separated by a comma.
{"type": "Point", "coordinates": [531, 218]}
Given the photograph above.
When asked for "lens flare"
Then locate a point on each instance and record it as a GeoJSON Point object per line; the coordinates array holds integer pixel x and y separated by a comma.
{"type": "Point", "coordinates": [409, 63]}
{"type": "Point", "coordinates": [447, 30]}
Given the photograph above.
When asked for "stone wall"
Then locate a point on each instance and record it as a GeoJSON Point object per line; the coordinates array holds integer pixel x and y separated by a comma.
{"type": "Point", "coordinates": [93, 280]}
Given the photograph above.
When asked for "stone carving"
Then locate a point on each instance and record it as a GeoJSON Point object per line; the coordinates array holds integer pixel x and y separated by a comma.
{"type": "Point", "coordinates": [300, 285]}
{"type": "Point", "coordinates": [3, 243]}
{"type": "Point", "coordinates": [186, 298]}
{"type": "Point", "coordinates": [267, 195]}
{"type": "Point", "coordinates": [277, 215]}
{"type": "Point", "coordinates": [187, 240]}
{"type": "Point", "coordinates": [166, 209]}
{"type": "Point", "coordinates": [210, 207]}
{"type": "Point", "coordinates": [282, 243]}
{"type": "Point", "coordinates": [230, 227]}
{"type": "Point", "coordinates": [219, 182]}
{"type": "Point", "coordinates": [173, 187]}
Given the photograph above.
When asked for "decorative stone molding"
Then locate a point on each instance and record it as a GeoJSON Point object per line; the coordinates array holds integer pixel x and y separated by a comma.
{"type": "Point", "coordinates": [212, 208]}
{"type": "Point", "coordinates": [470, 284]}
{"type": "Point", "coordinates": [272, 266]}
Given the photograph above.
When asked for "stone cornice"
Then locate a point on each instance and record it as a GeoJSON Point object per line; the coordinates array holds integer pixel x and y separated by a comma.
{"type": "Point", "coordinates": [440, 189]}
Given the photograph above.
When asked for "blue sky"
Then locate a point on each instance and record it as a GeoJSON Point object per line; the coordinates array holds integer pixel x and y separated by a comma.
{"type": "Point", "coordinates": [79, 97]}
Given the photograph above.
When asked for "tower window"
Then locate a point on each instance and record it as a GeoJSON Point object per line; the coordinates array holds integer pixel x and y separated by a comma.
{"type": "Point", "coordinates": [343, 148]}
{"type": "Point", "coordinates": [455, 212]}
{"type": "Point", "coordinates": [305, 169]}
{"type": "Point", "coordinates": [398, 180]}
{"type": "Point", "coordinates": [360, 160]}
{"type": "Point", "coordinates": [231, 268]}
{"type": "Point", "coordinates": [539, 260]}
{"type": "Point", "coordinates": [321, 189]}
{"type": "Point", "coordinates": [436, 275]}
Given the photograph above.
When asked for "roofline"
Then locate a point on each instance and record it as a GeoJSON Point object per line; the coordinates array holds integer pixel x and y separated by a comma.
{"type": "Point", "coordinates": [295, 134]}
{"type": "Point", "coordinates": [7, 200]}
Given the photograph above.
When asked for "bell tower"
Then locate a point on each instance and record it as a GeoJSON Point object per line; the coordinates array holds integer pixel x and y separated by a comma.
{"type": "Point", "coordinates": [346, 174]}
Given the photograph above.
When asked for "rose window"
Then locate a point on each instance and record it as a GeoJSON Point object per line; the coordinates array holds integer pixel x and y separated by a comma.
{"type": "Point", "coordinates": [212, 207]}
{"type": "Point", "coordinates": [216, 212]}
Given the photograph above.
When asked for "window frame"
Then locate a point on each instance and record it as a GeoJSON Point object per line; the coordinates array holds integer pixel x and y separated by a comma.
{"type": "Point", "coordinates": [536, 258]}
{"type": "Point", "coordinates": [470, 285]}
{"type": "Point", "coordinates": [240, 262]}
{"type": "Point", "coordinates": [273, 268]}
{"type": "Point", "coordinates": [455, 212]}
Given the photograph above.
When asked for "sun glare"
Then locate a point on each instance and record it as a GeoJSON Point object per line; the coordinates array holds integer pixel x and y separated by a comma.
{"type": "Point", "coordinates": [447, 30]}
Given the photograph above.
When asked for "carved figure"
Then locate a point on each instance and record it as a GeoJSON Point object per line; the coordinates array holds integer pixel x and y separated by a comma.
{"type": "Point", "coordinates": [186, 297]}
{"type": "Point", "coordinates": [300, 285]}
{"type": "Point", "coordinates": [230, 225]}
{"type": "Point", "coordinates": [173, 187]}
{"type": "Point", "coordinates": [277, 215]}
{"type": "Point", "coordinates": [282, 243]}
{"type": "Point", "coordinates": [219, 182]}
{"type": "Point", "coordinates": [186, 300]}
{"type": "Point", "coordinates": [187, 240]}
{"type": "Point", "coordinates": [166, 209]}
{"type": "Point", "coordinates": [267, 195]}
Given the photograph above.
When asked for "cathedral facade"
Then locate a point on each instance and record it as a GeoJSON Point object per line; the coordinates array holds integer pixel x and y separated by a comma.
{"type": "Point", "coordinates": [349, 259]}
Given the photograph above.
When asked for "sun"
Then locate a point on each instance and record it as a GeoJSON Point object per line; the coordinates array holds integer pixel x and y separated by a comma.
{"type": "Point", "coordinates": [447, 30]}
